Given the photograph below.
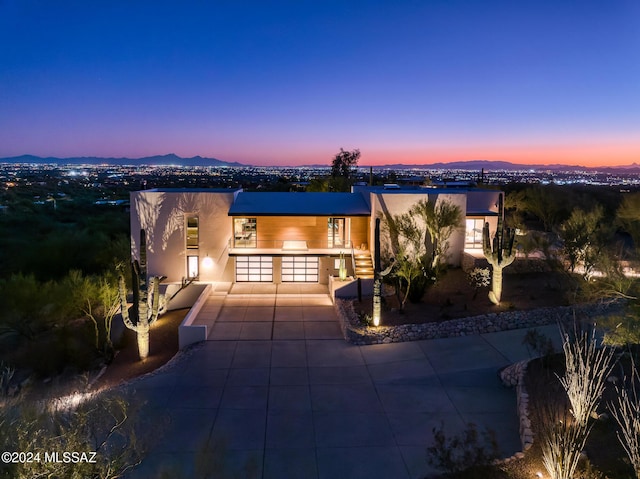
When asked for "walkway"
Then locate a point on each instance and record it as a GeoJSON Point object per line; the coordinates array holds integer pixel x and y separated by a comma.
{"type": "Point", "coordinates": [322, 408]}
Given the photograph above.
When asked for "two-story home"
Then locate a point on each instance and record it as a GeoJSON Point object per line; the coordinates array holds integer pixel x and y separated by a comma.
{"type": "Point", "coordinates": [235, 236]}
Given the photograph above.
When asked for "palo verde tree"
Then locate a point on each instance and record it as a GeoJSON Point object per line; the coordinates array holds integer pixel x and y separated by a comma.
{"type": "Point", "coordinates": [406, 243]}
{"type": "Point", "coordinates": [441, 219]}
{"type": "Point", "coordinates": [500, 253]}
{"type": "Point", "coordinates": [97, 297]}
{"type": "Point", "coordinates": [582, 234]}
{"type": "Point", "coordinates": [545, 203]}
{"type": "Point", "coordinates": [146, 299]}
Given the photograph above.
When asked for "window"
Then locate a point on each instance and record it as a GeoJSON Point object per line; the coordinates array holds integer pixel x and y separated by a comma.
{"type": "Point", "coordinates": [244, 233]}
{"type": "Point", "coordinates": [192, 232]}
{"type": "Point", "coordinates": [192, 267]}
{"type": "Point", "coordinates": [336, 235]}
{"type": "Point", "coordinates": [473, 234]}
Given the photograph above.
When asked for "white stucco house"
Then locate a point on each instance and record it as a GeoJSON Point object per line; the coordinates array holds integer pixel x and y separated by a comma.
{"type": "Point", "coordinates": [229, 235]}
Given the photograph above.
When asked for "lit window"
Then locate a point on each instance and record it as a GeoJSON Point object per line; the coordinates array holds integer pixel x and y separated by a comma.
{"type": "Point", "coordinates": [244, 232]}
{"type": "Point", "coordinates": [473, 235]}
{"type": "Point", "coordinates": [192, 232]}
{"type": "Point", "coordinates": [192, 266]}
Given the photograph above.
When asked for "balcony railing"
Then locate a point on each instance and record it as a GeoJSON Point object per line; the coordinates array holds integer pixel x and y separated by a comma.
{"type": "Point", "coordinates": [287, 244]}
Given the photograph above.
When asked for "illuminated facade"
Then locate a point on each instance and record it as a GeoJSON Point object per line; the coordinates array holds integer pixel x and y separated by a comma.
{"type": "Point", "coordinates": [236, 236]}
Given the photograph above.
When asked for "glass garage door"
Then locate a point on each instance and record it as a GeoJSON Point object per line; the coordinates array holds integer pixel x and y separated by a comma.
{"type": "Point", "coordinates": [254, 268]}
{"type": "Point", "coordinates": [299, 269]}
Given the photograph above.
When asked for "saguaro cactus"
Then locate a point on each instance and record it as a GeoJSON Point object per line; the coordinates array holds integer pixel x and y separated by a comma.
{"type": "Point", "coordinates": [500, 253]}
{"type": "Point", "coordinates": [146, 299]}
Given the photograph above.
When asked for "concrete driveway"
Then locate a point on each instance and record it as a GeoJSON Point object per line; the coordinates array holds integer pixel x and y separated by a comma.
{"type": "Point", "coordinates": [299, 402]}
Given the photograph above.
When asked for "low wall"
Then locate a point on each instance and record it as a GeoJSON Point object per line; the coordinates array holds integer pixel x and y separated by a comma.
{"type": "Point", "coordinates": [356, 333]}
{"type": "Point", "coordinates": [189, 333]}
{"type": "Point", "coordinates": [349, 288]}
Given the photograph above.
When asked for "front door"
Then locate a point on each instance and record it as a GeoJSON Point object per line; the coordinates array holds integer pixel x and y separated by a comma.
{"type": "Point", "coordinates": [336, 233]}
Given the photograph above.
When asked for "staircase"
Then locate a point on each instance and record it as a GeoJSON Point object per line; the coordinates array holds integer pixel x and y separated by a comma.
{"type": "Point", "coordinates": [364, 266]}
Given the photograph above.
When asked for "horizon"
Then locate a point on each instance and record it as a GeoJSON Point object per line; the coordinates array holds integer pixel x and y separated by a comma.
{"type": "Point", "coordinates": [289, 84]}
{"type": "Point", "coordinates": [478, 162]}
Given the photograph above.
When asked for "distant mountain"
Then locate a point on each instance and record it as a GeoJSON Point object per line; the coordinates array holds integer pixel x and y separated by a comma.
{"type": "Point", "coordinates": [489, 165]}
{"type": "Point", "coordinates": [170, 159]}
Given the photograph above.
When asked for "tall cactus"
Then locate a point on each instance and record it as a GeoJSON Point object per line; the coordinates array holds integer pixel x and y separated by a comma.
{"type": "Point", "coordinates": [146, 299]}
{"type": "Point", "coordinates": [500, 253]}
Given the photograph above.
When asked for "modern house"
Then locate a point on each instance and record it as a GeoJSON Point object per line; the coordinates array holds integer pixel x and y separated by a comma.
{"type": "Point", "coordinates": [235, 236]}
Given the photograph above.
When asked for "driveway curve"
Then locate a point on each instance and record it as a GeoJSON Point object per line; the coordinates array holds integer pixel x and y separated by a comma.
{"type": "Point", "coordinates": [292, 405]}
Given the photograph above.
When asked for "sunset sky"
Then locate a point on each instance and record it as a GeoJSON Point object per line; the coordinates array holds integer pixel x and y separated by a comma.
{"type": "Point", "coordinates": [291, 82]}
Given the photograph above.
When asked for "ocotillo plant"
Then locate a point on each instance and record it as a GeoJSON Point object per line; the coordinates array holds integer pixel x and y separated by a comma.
{"type": "Point", "coordinates": [146, 299]}
{"type": "Point", "coordinates": [500, 253]}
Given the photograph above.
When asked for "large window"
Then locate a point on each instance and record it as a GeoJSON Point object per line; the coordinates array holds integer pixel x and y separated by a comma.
{"type": "Point", "coordinates": [336, 233]}
{"type": "Point", "coordinates": [192, 232]}
{"type": "Point", "coordinates": [473, 234]}
{"type": "Point", "coordinates": [244, 233]}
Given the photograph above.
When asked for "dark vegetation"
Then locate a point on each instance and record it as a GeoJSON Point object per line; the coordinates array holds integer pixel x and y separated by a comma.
{"type": "Point", "coordinates": [59, 251]}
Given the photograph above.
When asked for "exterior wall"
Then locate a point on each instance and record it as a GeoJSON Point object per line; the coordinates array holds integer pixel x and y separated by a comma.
{"type": "Point", "coordinates": [395, 203]}
{"type": "Point", "coordinates": [360, 231]}
{"type": "Point", "coordinates": [483, 200]}
{"type": "Point", "coordinates": [163, 216]}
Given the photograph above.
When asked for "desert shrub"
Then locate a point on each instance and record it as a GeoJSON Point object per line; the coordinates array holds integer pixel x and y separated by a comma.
{"type": "Point", "coordinates": [103, 424]}
{"type": "Point", "coordinates": [625, 409]}
{"type": "Point", "coordinates": [538, 342]}
{"type": "Point", "coordinates": [470, 448]}
{"type": "Point", "coordinates": [587, 368]}
{"type": "Point", "coordinates": [479, 278]}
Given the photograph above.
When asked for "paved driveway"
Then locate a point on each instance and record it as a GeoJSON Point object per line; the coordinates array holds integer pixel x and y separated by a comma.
{"type": "Point", "coordinates": [288, 405]}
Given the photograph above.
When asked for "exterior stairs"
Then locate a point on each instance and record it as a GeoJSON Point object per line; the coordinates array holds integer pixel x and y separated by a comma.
{"type": "Point", "coordinates": [364, 266]}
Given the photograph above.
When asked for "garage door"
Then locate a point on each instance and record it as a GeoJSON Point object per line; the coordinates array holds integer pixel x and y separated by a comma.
{"type": "Point", "coordinates": [299, 269]}
{"type": "Point", "coordinates": [254, 268]}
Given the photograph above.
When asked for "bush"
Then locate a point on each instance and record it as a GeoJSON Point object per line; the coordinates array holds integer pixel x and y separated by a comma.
{"type": "Point", "coordinates": [469, 449]}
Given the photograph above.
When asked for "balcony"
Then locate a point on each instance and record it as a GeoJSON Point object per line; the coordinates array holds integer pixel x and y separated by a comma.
{"type": "Point", "coordinates": [250, 246]}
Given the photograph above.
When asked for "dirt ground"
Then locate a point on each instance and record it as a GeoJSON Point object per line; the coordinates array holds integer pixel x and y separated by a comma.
{"type": "Point", "coordinates": [163, 345]}
{"type": "Point", "coordinates": [454, 297]}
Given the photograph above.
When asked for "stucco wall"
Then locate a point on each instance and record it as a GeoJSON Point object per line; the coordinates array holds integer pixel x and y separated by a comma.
{"type": "Point", "coordinates": [397, 203]}
{"type": "Point", "coordinates": [163, 215]}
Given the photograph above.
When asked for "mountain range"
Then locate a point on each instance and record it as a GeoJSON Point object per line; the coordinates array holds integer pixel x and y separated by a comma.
{"type": "Point", "coordinates": [170, 159]}
{"type": "Point", "coordinates": [173, 159]}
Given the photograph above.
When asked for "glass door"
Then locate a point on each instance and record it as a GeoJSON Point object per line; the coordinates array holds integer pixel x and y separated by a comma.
{"type": "Point", "coordinates": [336, 232]}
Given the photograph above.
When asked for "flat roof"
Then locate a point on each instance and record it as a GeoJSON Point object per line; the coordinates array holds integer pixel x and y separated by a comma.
{"type": "Point", "coordinates": [191, 190]}
{"type": "Point", "coordinates": [414, 189]}
{"type": "Point", "coordinates": [299, 204]}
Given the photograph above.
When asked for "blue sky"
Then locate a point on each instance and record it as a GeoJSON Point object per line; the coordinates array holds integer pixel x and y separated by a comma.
{"type": "Point", "coordinates": [275, 82]}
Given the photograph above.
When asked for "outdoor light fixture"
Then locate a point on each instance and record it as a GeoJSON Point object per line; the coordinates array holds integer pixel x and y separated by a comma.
{"type": "Point", "coordinates": [207, 262]}
{"type": "Point", "coordinates": [376, 317]}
